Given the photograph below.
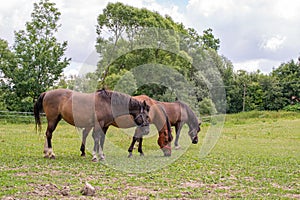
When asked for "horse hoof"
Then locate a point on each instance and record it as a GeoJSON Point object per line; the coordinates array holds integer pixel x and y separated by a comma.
{"type": "Point", "coordinates": [46, 156]}
{"type": "Point", "coordinates": [177, 147]}
{"type": "Point", "coordinates": [130, 155]}
{"type": "Point", "coordinates": [102, 158]}
{"type": "Point", "coordinates": [141, 154]}
{"type": "Point", "coordinates": [82, 155]}
{"type": "Point", "coordinates": [52, 157]}
{"type": "Point", "coordinates": [94, 160]}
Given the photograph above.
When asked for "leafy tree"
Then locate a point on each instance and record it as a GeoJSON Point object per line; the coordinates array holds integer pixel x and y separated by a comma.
{"type": "Point", "coordinates": [272, 96]}
{"type": "Point", "coordinates": [138, 37]}
{"type": "Point", "coordinates": [288, 74]}
{"type": "Point", "coordinates": [7, 59]}
{"type": "Point", "coordinates": [209, 40]}
{"type": "Point", "coordinates": [39, 59]}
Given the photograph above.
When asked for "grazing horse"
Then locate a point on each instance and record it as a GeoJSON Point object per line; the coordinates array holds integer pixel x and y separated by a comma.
{"type": "Point", "coordinates": [178, 114]}
{"type": "Point", "coordinates": [94, 110]}
{"type": "Point", "coordinates": [295, 99]}
{"type": "Point", "coordinates": [157, 116]}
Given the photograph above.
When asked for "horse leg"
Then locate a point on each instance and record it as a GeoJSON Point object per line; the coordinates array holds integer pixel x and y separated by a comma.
{"type": "Point", "coordinates": [85, 133]}
{"type": "Point", "coordinates": [130, 149]}
{"type": "Point", "coordinates": [102, 139]}
{"type": "Point", "coordinates": [178, 128]}
{"type": "Point", "coordinates": [99, 137]}
{"type": "Point", "coordinates": [96, 137]}
{"type": "Point", "coordinates": [140, 146]}
{"type": "Point", "coordinates": [48, 152]}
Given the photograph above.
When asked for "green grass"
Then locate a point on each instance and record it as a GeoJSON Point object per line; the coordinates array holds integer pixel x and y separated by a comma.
{"type": "Point", "coordinates": [256, 157]}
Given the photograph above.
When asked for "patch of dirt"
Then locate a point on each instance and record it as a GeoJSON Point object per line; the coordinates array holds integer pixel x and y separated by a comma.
{"type": "Point", "coordinates": [135, 193]}
{"type": "Point", "coordinates": [193, 184]}
{"type": "Point", "coordinates": [48, 190]}
{"type": "Point", "coordinates": [209, 188]}
{"type": "Point", "coordinates": [293, 196]}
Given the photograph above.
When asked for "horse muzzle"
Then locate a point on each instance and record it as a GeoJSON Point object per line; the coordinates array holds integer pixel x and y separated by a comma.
{"type": "Point", "coordinates": [195, 140]}
{"type": "Point", "coordinates": [167, 150]}
{"type": "Point", "coordinates": [145, 129]}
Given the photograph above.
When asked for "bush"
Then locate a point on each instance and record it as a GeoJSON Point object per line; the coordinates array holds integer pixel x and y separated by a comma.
{"type": "Point", "coordinates": [292, 108]}
{"type": "Point", "coordinates": [207, 107]}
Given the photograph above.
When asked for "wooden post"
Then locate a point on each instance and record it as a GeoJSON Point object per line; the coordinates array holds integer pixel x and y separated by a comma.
{"type": "Point", "coordinates": [244, 97]}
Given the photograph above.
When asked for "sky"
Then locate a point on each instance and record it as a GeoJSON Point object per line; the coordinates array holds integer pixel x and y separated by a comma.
{"type": "Point", "coordinates": [254, 34]}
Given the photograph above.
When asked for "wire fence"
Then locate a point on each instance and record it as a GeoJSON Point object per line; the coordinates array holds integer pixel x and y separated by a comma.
{"type": "Point", "coordinates": [28, 117]}
{"type": "Point", "coordinates": [17, 117]}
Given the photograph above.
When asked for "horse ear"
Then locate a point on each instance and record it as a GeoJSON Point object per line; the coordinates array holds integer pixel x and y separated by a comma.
{"type": "Point", "coordinates": [145, 105]}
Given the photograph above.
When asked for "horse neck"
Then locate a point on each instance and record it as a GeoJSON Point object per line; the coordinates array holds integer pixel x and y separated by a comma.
{"type": "Point", "coordinates": [163, 117]}
{"type": "Point", "coordinates": [122, 104]}
{"type": "Point", "coordinates": [192, 120]}
{"type": "Point", "coordinates": [159, 118]}
{"type": "Point", "coordinates": [134, 107]}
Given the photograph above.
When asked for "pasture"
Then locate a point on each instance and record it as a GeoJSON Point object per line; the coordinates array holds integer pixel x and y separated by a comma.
{"type": "Point", "coordinates": [256, 157]}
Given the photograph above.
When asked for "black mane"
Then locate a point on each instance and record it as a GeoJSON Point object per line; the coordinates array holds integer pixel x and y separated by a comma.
{"type": "Point", "coordinates": [119, 99]}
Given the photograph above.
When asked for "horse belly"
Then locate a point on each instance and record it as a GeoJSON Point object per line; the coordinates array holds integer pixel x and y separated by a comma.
{"type": "Point", "coordinates": [83, 118]}
{"type": "Point", "coordinates": [79, 115]}
{"type": "Point", "coordinates": [125, 121]}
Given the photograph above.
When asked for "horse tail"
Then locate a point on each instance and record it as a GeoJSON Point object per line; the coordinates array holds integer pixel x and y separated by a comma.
{"type": "Point", "coordinates": [38, 107]}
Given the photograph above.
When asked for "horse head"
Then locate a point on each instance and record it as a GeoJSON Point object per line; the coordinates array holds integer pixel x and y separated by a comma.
{"type": "Point", "coordinates": [164, 141]}
{"type": "Point", "coordinates": [140, 114]}
{"type": "Point", "coordinates": [193, 132]}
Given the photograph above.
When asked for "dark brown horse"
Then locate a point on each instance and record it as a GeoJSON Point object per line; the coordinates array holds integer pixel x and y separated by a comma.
{"type": "Point", "coordinates": [178, 114]}
{"type": "Point", "coordinates": [94, 110]}
{"type": "Point", "coordinates": [157, 116]}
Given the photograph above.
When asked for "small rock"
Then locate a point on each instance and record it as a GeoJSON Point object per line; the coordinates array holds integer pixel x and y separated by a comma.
{"type": "Point", "coordinates": [65, 191]}
{"type": "Point", "coordinates": [88, 190]}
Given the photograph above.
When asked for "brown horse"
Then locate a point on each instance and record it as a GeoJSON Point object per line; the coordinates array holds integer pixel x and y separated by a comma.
{"type": "Point", "coordinates": [94, 110]}
{"type": "Point", "coordinates": [295, 99]}
{"type": "Point", "coordinates": [178, 114]}
{"type": "Point", "coordinates": [157, 116]}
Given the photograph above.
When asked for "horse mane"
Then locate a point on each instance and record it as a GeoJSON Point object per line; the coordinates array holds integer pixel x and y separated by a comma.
{"type": "Point", "coordinates": [118, 98]}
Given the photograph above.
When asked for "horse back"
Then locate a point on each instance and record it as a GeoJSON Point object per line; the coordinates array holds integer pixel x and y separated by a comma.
{"type": "Point", "coordinates": [174, 111]}
{"type": "Point", "coordinates": [74, 107]}
{"type": "Point", "coordinates": [54, 100]}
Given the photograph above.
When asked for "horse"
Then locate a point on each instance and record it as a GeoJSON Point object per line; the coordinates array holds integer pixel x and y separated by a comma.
{"type": "Point", "coordinates": [165, 132]}
{"type": "Point", "coordinates": [87, 110]}
{"type": "Point", "coordinates": [178, 114]}
{"type": "Point", "coordinates": [295, 99]}
{"type": "Point", "coordinates": [157, 116]}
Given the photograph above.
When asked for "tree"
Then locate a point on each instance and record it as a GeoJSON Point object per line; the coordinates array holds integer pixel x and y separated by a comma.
{"type": "Point", "coordinates": [139, 36]}
{"type": "Point", "coordinates": [288, 74]}
{"type": "Point", "coordinates": [209, 40]}
{"type": "Point", "coordinates": [39, 59]}
{"type": "Point", "coordinates": [6, 61]}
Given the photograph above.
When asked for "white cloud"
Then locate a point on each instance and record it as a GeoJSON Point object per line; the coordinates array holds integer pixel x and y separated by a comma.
{"type": "Point", "coordinates": [209, 8]}
{"type": "Point", "coordinates": [264, 65]}
{"type": "Point", "coordinates": [250, 30]}
{"type": "Point", "coordinates": [288, 9]}
{"type": "Point", "coordinates": [273, 43]}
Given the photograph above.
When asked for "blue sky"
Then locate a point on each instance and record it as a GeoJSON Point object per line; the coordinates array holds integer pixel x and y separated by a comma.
{"type": "Point", "coordinates": [256, 34]}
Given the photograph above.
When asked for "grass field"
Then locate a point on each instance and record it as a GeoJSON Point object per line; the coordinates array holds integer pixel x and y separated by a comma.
{"type": "Point", "coordinates": [256, 157]}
